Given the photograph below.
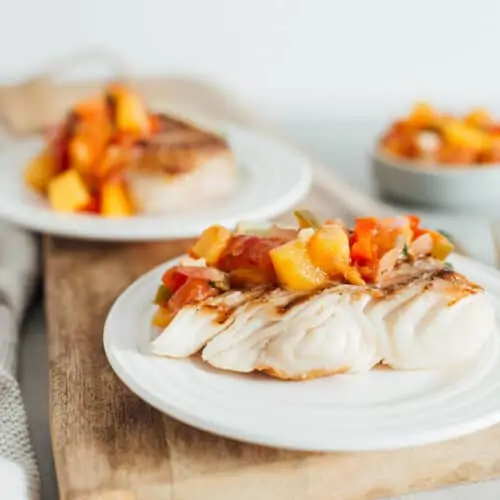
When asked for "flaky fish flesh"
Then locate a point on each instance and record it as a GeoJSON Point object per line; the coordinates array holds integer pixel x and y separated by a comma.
{"type": "Point", "coordinates": [421, 315]}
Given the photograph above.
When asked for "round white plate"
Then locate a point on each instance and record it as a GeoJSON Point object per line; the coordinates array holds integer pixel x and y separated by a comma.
{"type": "Point", "coordinates": [272, 178]}
{"type": "Point", "coordinates": [382, 409]}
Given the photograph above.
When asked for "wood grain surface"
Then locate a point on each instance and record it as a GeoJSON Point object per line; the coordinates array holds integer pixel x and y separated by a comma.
{"type": "Point", "coordinates": [109, 445]}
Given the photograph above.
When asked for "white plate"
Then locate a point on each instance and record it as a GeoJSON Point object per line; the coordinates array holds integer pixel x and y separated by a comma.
{"type": "Point", "coordinates": [272, 179]}
{"type": "Point", "coordinates": [379, 410]}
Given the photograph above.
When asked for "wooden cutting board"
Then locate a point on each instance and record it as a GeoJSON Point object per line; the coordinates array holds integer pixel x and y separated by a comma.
{"type": "Point", "coordinates": [109, 445]}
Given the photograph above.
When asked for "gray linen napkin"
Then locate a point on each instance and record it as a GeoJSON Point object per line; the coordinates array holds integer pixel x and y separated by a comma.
{"type": "Point", "coordinates": [19, 478]}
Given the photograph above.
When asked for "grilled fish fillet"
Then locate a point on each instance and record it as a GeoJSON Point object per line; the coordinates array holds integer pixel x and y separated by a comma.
{"type": "Point", "coordinates": [179, 168]}
{"type": "Point", "coordinates": [420, 316]}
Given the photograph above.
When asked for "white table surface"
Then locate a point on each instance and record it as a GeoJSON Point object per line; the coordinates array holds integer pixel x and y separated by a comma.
{"type": "Point", "coordinates": [345, 148]}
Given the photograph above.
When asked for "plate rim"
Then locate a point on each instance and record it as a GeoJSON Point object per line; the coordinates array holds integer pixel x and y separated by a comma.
{"type": "Point", "coordinates": [248, 436]}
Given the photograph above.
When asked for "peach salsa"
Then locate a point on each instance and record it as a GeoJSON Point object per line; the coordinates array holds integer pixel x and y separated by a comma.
{"type": "Point", "coordinates": [320, 299]}
{"type": "Point", "coordinates": [113, 157]}
{"type": "Point", "coordinates": [429, 137]}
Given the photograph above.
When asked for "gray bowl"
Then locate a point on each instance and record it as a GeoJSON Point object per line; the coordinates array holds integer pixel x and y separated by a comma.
{"type": "Point", "coordinates": [451, 188]}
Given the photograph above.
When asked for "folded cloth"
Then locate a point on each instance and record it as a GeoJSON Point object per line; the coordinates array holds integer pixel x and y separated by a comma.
{"type": "Point", "coordinates": [19, 478]}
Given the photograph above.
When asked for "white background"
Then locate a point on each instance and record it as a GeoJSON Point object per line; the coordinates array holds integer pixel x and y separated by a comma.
{"type": "Point", "coordinates": [337, 57]}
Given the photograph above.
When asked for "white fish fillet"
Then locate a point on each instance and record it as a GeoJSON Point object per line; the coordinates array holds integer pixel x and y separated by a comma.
{"type": "Point", "coordinates": [182, 167]}
{"type": "Point", "coordinates": [195, 325]}
{"type": "Point", "coordinates": [156, 193]}
{"type": "Point", "coordinates": [421, 317]}
{"type": "Point", "coordinates": [327, 334]}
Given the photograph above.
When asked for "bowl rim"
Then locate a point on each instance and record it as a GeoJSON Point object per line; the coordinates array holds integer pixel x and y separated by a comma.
{"type": "Point", "coordinates": [435, 169]}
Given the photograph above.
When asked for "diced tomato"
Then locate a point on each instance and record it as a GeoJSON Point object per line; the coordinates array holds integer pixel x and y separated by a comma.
{"type": "Point", "coordinates": [375, 238]}
{"type": "Point", "coordinates": [365, 225]}
{"type": "Point", "coordinates": [415, 226]}
{"type": "Point", "coordinates": [414, 221]}
{"type": "Point", "coordinates": [362, 250]}
{"type": "Point", "coordinates": [250, 252]}
{"type": "Point", "coordinates": [193, 290]}
{"type": "Point", "coordinates": [177, 276]}
{"type": "Point", "coordinates": [401, 140]}
{"type": "Point", "coordinates": [493, 128]}
{"type": "Point", "coordinates": [362, 244]}
{"type": "Point", "coordinates": [59, 142]}
{"type": "Point", "coordinates": [93, 207]}
{"type": "Point", "coordinates": [456, 155]}
{"type": "Point", "coordinates": [173, 280]}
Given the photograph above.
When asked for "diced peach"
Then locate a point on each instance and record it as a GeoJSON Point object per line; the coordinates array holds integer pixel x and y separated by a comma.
{"type": "Point", "coordinates": [211, 244]}
{"type": "Point", "coordinates": [88, 144]}
{"type": "Point", "coordinates": [80, 155]}
{"type": "Point", "coordinates": [329, 249]}
{"type": "Point", "coordinates": [162, 317]}
{"type": "Point", "coordinates": [422, 115]}
{"type": "Point", "coordinates": [353, 276]}
{"type": "Point", "coordinates": [442, 246]}
{"type": "Point", "coordinates": [111, 161]}
{"type": "Point", "coordinates": [478, 117]}
{"type": "Point", "coordinates": [115, 201]}
{"type": "Point", "coordinates": [461, 135]}
{"type": "Point", "coordinates": [131, 114]}
{"type": "Point", "coordinates": [67, 192]}
{"type": "Point", "coordinates": [40, 171]}
{"type": "Point", "coordinates": [294, 267]}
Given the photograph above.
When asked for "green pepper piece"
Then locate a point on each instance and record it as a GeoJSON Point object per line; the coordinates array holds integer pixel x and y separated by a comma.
{"type": "Point", "coordinates": [162, 296]}
{"type": "Point", "coordinates": [307, 219]}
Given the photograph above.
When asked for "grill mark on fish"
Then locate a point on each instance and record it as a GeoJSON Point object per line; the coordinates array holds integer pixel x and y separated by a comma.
{"type": "Point", "coordinates": [189, 140]}
{"type": "Point", "coordinates": [423, 274]}
{"type": "Point", "coordinates": [224, 312]}
{"type": "Point", "coordinates": [401, 308]}
{"type": "Point", "coordinates": [301, 299]}
{"type": "Point", "coordinates": [425, 280]}
{"type": "Point", "coordinates": [178, 148]}
{"type": "Point", "coordinates": [402, 282]}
